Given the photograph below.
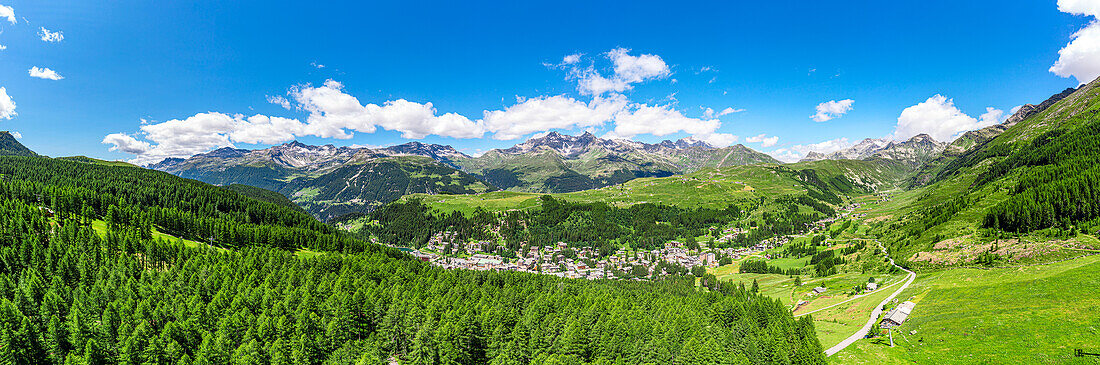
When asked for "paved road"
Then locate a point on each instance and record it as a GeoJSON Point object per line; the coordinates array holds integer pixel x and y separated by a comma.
{"type": "Point", "coordinates": [874, 314]}
{"type": "Point", "coordinates": [853, 298]}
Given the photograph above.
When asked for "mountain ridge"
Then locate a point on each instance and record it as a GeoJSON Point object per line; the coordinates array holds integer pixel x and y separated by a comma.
{"type": "Point", "coordinates": [550, 163]}
{"type": "Point", "coordinates": [10, 146]}
{"type": "Point", "coordinates": [915, 151]}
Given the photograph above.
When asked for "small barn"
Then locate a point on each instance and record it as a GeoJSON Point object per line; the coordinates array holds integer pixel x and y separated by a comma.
{"type": "Point", "coordinates": [820, 289]}
{"type": "Point", "coordinates": [872, 286]}
{"type": "Point", "coordinates": [898, 315]}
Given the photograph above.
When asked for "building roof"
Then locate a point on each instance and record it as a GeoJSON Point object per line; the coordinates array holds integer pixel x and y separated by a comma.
{"type": "Point", "coordinates": [899, 314]}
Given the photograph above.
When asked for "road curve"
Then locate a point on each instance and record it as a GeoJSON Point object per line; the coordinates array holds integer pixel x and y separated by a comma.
{"type": "Point", "coordinates": [878, 309]}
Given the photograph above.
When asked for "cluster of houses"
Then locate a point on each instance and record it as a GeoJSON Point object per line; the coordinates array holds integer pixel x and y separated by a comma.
{"type": "Point", "coordinates": [585, 263]}
{"type": "Point", "coordinates": [580, 263]}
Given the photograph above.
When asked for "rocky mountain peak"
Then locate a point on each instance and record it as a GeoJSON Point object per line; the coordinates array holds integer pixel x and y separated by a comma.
{"type": "Point", "coordinates": [225, 152]}
{"type": "Point", "coordinates": [560, 143]}
{"type": "Point", "coordinates": [1028, 110]}
{"type": "Point", "coordinates": [814, 156]}
{"type": "Point", "coordinates": [921, 138]}
{"type": "Point", "coordinates": [437, 152]}
{"type": "Point", "coordinates": [165, 163]}
{"type": "Point", "coordinates": [297, 144]}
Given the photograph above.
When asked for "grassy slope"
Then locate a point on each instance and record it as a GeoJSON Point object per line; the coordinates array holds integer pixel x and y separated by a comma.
{"type": "Point", "coordinates": [836, 313]}
{"type": "Point", "coordinates": [707, 188]}
{"type": "Point", "coordinates": [101, 227]}
{"type": "Point", "coordinates": [1028, 315]}
{"type": "Point", "coordinates": [95, 161]}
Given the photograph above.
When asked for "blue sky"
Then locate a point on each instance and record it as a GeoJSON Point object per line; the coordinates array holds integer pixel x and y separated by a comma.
{"type": "Point", "coordinates": [158, 79]}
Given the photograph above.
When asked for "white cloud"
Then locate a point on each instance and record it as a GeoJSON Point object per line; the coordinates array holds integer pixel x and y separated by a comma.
{"type": "Point", "coordinates": [1080, 58]}
{"type": "Point", "coordinates": [659, 120]}
{"type": "Point", "coordinates": [124, 143]}
{"type": "Point", "coordinates": [333, 112]}
{"type": "Point", "coordinates": [832, 109]}
{"type": "Point", "coordinates": [710, 113]}
{"type": "Point", "coordinates": [1014, 110]}
{"type": "Point", "coordinates": [317, 65]}
{"type": "Point", "coordinates": [7, 12]}
{"type": "Point", "coordinates": [17, 135]}
{"type": "Point", "coordinates": [662, 120]}
{"type": "Point", "coordinates": [571, 59]}
{"type": "Point", "coordinates": [262, 129]}
{"type": "Point", "coordinates": [797, 152]}
{"type": "Point", "coordinates": [627, 70]}
{"type": "Point", "coordinates": [280, 101]}
{"type": "Point", "coordinates": [764, 140]}
{"type": "Point", "coordinates": [552, 112]}
{"type": "Point", "coordinates": [44, 73]}
{"type": "Point", "coordinates": [991, 116]}
{"type": "Point", "coordinates": [939, 118]}
{"type": "Point", "coordinates": [7, 106]}
{"type": "Point", "coordinates": [1080, 7]}
{"type": "Point", "coordinates": [717, 139]}
{"type": "Point", "coordinates": [47, 36]}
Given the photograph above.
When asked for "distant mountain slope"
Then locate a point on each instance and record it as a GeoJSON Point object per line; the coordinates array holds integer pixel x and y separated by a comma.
{"type": "Point", "coordinates": [262, 194]}
{"type": "Point", "coordinates": [363, 186]}
{"type": "Point", "coordinates": [914, 152]}
{"type": "Point", "coordinates": [558, 163]}
{"type": "Point", "coordinates": [329, 181]}
{"type": "Point", "coordinates": [861, 150]}
{"type": "Point", "coordinates": [9, 146]}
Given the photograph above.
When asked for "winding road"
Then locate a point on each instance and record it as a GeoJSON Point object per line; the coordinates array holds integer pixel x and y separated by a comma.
{"type": "Point", "coordinates": [878, 309]}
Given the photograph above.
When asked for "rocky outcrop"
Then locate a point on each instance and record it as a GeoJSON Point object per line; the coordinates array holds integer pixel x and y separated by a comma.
{"type": "Point", "coordinates": [1028, 110]}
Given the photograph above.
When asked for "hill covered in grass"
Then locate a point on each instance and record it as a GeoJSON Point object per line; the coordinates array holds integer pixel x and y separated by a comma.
{"type": "Point", "coordinates": [713, 188]}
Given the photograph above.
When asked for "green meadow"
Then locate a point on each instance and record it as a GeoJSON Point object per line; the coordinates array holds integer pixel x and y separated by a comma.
{"type": "Point", "coordinates": [1028, 315]}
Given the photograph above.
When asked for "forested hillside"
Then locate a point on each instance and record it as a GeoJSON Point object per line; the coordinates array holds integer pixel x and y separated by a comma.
{"type": "Point", "coordinates": [363, 187]}
{"type": "Point", "coordinates": [9, 146]}
{"type": "Point", "coordinates": [329, 181]}
{"type": "Point", "coordinates": [70, 294]}
{"type": "Point", "coordinates": [1035, 180]}
{"type": "Point", "coordinates": [262, 194]}
{"type": "Point", "coordinates": [132, 196]}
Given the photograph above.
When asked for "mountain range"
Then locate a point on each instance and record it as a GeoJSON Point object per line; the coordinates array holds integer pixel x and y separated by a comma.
{"type": "Point", "coordinates": [914, 152]}
{"type": "Point", "coordinates": [557, 163]}
{"type": "Point", "coordinates": [330, 181]}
